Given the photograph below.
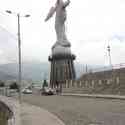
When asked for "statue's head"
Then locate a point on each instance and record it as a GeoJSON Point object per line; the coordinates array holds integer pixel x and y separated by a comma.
{"type": "Point", "coordinates": [59, 1]}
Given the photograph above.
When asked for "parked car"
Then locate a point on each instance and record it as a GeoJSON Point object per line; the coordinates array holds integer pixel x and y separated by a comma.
{"type": "Point", "coordinates": [27, 91]}
{"type": "Point", "coordinates": [47, 91]}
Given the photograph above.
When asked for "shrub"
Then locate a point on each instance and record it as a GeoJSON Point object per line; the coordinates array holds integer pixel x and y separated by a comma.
{"type": "Point", "coordinates": [2, 84]}
{"type": "Point", "coordinates": [45, 84]}
{"type": "Point", "coordinates": [14, 85]}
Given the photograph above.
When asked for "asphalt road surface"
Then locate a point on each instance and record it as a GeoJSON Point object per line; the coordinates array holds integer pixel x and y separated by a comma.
{"type": "Point", "coordinates": [81, 111]}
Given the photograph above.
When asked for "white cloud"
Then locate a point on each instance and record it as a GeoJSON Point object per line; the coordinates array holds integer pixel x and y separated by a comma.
{"type": "Point", "coordinates": [1, 52]}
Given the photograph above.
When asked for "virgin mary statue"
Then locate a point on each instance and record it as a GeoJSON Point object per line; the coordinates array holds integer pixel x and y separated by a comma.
{"type": "Point", "coordinates": [60, 10]}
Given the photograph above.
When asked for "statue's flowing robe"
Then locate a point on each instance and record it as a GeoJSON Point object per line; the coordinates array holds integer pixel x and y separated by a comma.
{"type": "Point", "coordinates": [60, 10]}
{"type": "Point", "coordinates": [60, 24]}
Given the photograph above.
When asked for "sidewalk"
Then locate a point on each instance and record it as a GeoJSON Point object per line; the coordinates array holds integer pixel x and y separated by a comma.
{"type": "Point", "coordinates": [95, 96]}
{"type": "Point", "coordinates": [32, 115]}
{"type": "Point", "coordinates": [26, 114]}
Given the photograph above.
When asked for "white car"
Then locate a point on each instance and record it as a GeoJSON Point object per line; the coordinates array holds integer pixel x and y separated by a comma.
{"type": "Point", "coordinates": [27, 91]}
{"type": "Point", "coordinates": [47, 91]}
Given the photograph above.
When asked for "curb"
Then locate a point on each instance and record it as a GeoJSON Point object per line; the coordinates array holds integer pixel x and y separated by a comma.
{"type": "Point", "coordinates": [95, 96]}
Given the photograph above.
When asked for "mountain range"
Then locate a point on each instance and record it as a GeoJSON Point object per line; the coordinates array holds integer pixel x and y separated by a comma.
{"type": "Point", "coordinates": [32, 70]}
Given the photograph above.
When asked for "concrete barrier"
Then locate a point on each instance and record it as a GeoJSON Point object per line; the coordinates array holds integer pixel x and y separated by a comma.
{"type": "Point", "coordinates": [95, 96]}
{"type": "Point", "coordinates": [10, 114]}
{"type": "Point", "coordinates": [5, 114]}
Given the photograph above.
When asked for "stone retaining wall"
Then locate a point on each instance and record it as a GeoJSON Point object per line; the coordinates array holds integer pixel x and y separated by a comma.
{"type": "Point", "coordinates": [105, 82]}
{"type": "Point", "coordinates": [9, 111]}
{"type": "Point", "coordinates": [5, 114]}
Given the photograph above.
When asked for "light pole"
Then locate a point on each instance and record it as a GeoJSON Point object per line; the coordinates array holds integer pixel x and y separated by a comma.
{"type": "Point", "coordinates": [109, 53]}
{"type": "Point", "coordinates": [19, 51]}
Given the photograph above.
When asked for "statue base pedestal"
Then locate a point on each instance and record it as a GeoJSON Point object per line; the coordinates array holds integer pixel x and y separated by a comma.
{"type": "Point", "coordinates": [62, 68]}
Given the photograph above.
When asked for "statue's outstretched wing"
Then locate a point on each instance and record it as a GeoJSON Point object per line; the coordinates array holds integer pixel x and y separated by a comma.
{"type": "Point", "coordinates": [51, 13]}
{"type": "Point", "coordinates": [66, 3]}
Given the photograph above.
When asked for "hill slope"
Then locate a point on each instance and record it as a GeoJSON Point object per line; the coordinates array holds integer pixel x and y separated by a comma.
{"type": "Point", "coordinates": [34, 70]}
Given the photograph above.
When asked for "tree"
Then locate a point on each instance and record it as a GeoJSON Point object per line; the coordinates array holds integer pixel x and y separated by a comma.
{"type": "Point", "coordinates": [2, 84]}
{"type": "Point", "coordinates": [45, 83]}
{"type": "Point", "coordinates": [14, 85]}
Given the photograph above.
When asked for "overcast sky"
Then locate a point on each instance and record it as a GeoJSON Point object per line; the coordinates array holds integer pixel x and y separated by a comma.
{"type": "Point", "coordinates": [91, 25]}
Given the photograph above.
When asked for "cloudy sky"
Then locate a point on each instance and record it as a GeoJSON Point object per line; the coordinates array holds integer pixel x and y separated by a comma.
{"type": "Point", "coordinates": [91, 26]}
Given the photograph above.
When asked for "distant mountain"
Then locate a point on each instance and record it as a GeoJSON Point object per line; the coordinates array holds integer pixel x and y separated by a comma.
{"type": "Point", "coordinates": [35, 70]}
{"type": "Point", "coordinates": [4, 76]}
{"type": "Point", "coordinates": [30, 70]}
{"type": "Point", "coordinates": [83, 68]}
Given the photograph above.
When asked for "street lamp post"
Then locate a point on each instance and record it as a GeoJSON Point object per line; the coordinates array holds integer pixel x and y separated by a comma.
{"type": "Point", "coordinates": [109, 53]}
{"type": "Point", "coordinates": [19, 52]}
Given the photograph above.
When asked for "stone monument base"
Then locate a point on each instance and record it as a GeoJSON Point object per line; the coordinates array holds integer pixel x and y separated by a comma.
{"type": "Point", "coordinates": [62, 69]}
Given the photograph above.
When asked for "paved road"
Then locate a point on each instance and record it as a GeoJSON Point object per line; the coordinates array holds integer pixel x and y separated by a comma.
{"type": "Point", "coordinates": [32, 115]}
{"type": "Point", "coordinates": [26, 114]}
{"type": "Point", "coordinates": [82, 111]}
